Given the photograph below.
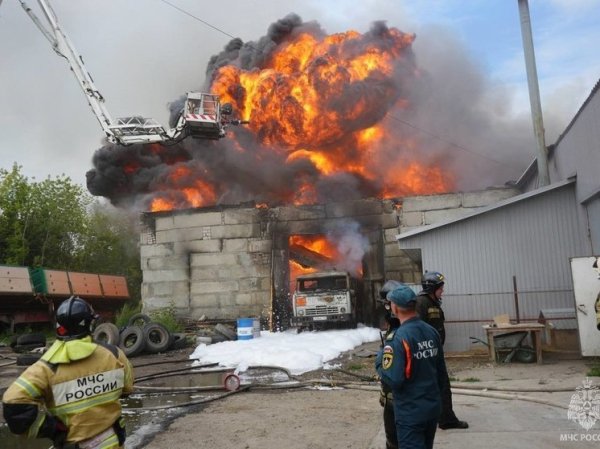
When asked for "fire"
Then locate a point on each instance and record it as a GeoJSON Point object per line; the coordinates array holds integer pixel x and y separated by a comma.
{"type": "Point", "coordinates": [295, 99]}
{"type": "Point", "coordinates": [316, 243]}
{"type": "Point", "coordinates": [311, 98]}
{"type": "Point", "coordinates": [315, 248]}
{"type": "Point", "coordinates": [194, 193]}
{"type": "Point", "coordinates": [311, 253]}
{"type": "Point", "coordinates": [321, 127]}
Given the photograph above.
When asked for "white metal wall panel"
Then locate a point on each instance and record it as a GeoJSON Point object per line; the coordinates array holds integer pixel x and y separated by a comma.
{"type": "Point", "coordinates": [531, 239]}
{"type": "Point", "coordinates": [593, 217]}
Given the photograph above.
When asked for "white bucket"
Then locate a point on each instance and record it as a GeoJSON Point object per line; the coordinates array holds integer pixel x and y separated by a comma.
{"type": "Point", "coordinates": [255, 327]}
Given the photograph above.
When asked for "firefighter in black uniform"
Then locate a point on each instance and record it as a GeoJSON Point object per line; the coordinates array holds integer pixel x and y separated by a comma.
{"type": "Point", "coordinates": [71, 395]}
{"type": "Point", "coordinates": [429, 308]}
{"type": "Point", "coordinates": [385, 399]}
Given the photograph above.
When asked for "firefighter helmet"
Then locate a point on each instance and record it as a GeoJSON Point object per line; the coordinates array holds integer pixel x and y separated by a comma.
{"type": "Point", "coordinates": [388, 287]}
{"type": "Point", "coordinates": [432, 280]}
{"type": "Point", "coordinates": [74, 318]}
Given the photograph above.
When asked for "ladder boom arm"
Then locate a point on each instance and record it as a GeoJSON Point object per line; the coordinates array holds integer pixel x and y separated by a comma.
{"type": "Point", "coordinates": [63, 47]}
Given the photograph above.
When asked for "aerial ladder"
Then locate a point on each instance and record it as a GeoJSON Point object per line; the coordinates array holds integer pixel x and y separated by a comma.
{"type": "Point", "coordinates": [202, 116]}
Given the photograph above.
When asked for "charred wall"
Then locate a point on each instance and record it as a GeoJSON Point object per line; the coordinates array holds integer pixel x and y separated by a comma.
{"type": "Point", "coordinates": [233, 261]}
{"type": "Point", "coordinates": [229, 262]}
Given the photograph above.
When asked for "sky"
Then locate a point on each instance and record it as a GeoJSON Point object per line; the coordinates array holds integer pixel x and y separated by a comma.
{"type": "Point", "coordinates": [143, 54]}
{"type": "Point", "coordinates": [297, 352]}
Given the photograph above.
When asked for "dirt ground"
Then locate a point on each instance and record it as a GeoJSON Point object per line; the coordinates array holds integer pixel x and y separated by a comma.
{"type": "Point", "coordinates": [341, 418]}
{"type": "Point", "coordinates": [323, 417]}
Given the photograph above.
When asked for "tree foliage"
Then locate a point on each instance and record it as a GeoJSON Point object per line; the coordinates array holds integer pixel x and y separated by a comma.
{"type": "Point", "coordinates": [56, 224]}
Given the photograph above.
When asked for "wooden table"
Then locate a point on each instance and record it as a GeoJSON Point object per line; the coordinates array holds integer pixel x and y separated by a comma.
{"type": "Point", "coordinates": [534, 329]}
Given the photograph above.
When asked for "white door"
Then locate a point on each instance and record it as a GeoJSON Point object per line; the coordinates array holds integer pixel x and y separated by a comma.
{"type": "Point", "coordinates": [586, 286]}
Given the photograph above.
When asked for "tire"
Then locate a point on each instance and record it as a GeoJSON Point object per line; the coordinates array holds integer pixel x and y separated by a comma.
{"type": "Point", "coordinates": [106, 333]}
{"type": "Point", "coordinates": [526, 354]}
{"type": "Point", "coordinates": [27, 359]}
{"type": "Point", "coordinates": [139, 317]}
{"type": "Point", "coordinates": [218, 338]}
{"type": "Point", "coordinates": [132, 341]}
{"type": "Point", "coordinates": [225, 332]}
{"type": "Point", "coordinates": [158, 338]}
{"type": "Point", "coordinates": [21, 349]}
{"type": "Point", "coordinates": [179, 341]}
{"type": "Point", "coordinates": [32, 339]}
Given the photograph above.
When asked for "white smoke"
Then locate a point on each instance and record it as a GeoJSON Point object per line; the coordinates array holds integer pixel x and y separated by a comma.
{"type": "Point", "coordinates": [351, 245]}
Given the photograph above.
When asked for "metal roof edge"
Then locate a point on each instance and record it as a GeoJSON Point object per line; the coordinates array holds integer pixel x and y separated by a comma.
{"type": "Point", "coordinates": [483, 210]}
{"type": "Point", "coordinates": [590, 197]}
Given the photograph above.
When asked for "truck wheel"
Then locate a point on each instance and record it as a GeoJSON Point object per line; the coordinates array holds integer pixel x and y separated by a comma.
{"type": "Point", "coordinates": [158, 338]}
{"type": "Point", "coordinates": [132, 341]}
{"type": "Point", "coordinates": [106, 333]}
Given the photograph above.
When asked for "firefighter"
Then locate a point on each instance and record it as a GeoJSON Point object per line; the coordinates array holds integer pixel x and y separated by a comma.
{"type": "Point", "coordinates": [413, 366]}
{"type": "Point", "coordinates": [429, 308]}
{"type": "Point", "coordinates": [386, 399]}
{"type": "Point", "coordinates": [71, 395]}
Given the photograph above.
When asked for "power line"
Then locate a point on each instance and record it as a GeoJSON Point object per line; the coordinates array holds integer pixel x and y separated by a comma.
{"type": "Point", "coordinates": [198, 19]}
{"type": "Point", "coordinates": [421, 130]}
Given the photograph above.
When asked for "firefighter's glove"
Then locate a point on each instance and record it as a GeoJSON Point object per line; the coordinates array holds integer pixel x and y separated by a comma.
{"type": "Point", "coordinates": [60, 433]}
{"type": "Point", "coordinates": [55, 429]}
{"type": "Point", "coordinates": [382, 399]}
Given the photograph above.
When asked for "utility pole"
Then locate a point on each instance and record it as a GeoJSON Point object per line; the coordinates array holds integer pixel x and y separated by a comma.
{"type": "Point", "coordinates": [534, 95]}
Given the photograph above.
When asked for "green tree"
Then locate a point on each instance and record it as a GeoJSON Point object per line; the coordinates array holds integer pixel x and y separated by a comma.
{"type": "Point", "coordinates": [111, 245]}
{"type": "Point", "coordinates": [14, 216]}
{"type": "Point", "coordinates": [57, 224]}
{"type": "Point", "coordinates": [42, 222]}
{"type": "Point", "coordinates": [60, 216]}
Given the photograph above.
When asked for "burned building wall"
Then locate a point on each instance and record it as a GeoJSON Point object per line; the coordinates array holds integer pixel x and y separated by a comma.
{"type": "Point", "coordinates": [229, 262]}
{"type": "Point", "coordinates": [224, 263]}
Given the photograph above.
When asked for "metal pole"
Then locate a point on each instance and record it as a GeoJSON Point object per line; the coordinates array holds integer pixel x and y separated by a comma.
{"type": "Point", "coordinates": [516, 292]}
{"type": "Point", "coordinates": [534, 94]}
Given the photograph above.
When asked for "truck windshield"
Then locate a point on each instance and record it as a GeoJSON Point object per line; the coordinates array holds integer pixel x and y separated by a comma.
{"type": "Point", "coordinates": [331, 283]}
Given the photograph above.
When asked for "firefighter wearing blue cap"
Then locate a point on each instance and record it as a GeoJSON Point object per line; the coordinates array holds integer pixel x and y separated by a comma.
{"type": "Point", "coordinates": [412, 364]}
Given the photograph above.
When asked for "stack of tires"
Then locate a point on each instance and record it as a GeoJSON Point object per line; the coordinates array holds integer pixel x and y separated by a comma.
{"type": "Point", "coordinates": [23, 344]}
{"type": "Point", "coordinates": [141, 335]}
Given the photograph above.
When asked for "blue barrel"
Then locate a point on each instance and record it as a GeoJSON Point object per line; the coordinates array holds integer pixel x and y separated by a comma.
{"type": "Point", "coordinates": [245, 328]}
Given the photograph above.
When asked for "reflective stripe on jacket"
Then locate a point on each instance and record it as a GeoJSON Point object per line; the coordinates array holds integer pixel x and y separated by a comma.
{"type": "Point", "coordinates": [83, 394]}
{"type": "Point", "coordinates": [413, 366]}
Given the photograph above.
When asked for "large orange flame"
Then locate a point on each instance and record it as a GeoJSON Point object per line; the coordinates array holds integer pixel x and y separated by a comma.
{"type": "Point", "coordinates": [320, 107]}
{"type": "Point", "coordinates": [320, 99]}
{"type": "Point", "coordinates": [195, 193]}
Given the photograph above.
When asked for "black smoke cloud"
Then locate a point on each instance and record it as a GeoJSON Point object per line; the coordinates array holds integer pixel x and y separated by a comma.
{"type": "Point", "coordinates": [455, 119]}
{"type": "Point", "coordinates": [242, 169]}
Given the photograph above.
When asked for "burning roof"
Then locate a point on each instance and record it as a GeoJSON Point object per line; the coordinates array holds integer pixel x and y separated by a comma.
{"type": "Point", "coordinates": [319, 130]}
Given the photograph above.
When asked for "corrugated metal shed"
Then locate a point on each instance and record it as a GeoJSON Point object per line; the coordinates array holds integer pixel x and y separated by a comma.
{"type": "Point", "coordinates": [530, 237]}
